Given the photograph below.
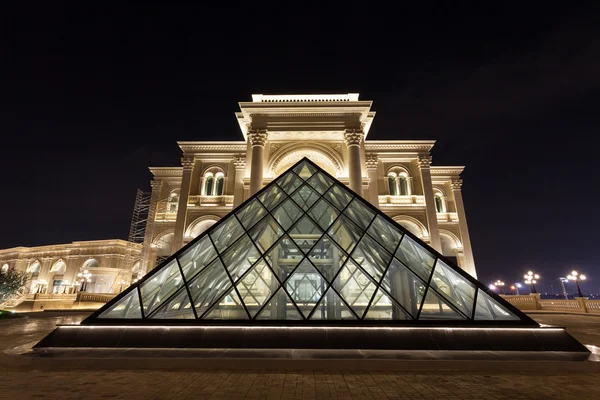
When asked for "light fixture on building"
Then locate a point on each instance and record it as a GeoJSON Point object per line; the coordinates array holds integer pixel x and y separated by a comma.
{"type": "Point", "coordinates": [85, 278]}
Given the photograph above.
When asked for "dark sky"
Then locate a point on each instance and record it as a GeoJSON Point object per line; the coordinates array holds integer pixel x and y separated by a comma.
{"type": "Point", "coordinates": [90, 97]}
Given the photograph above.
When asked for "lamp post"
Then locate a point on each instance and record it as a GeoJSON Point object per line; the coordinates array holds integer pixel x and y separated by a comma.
{"type": "Point", "coordinates": [564, 280]}
{"type": "Point", "coordinates": [531, 280]}
{"type": "Point", "coordinates": [85, 279]}
{"type": "Point", "coordinates": [515, 288]}
{"type": "Point", "coordinates": [576, 277]}
{"type": "Point", "coordinates": [499, 284]}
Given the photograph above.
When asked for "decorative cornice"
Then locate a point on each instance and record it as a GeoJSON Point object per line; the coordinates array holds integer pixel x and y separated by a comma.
{"type": "Point", "coordinates": [419, 145]}
{"type": "Point", "coordinates": [190, 147]}
{"type": "Point", "coordinates": [166, 171]}
{"type": "Point", "coordinates": [187, 163]}
{"type": "Point", "coordinates": [443, 170]}
{"type": "Point", "coordinates": [353, 137]}
{"type": "Point", "coordinates": [258, 137]}
{"type": "Point", "coordinates": [456, 184]}
{"type": "Point", "coordinates": [424, 161]}
{"type": "Point", "coordinates": [372, 161]}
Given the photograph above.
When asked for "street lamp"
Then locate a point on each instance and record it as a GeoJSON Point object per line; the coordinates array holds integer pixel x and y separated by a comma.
{"type": "Point", "coordinates": [564, 280]}
{"type": "Point", "coordinates": [531, 280]}
{"type": "Point", "coordinates": [499, 284]}
{"type": "Point", "coordinates": [515, 287]}
{"type": "Point", "coordinates": [85, 278]}
{"type": "Point", "coordinates": [576, 277]}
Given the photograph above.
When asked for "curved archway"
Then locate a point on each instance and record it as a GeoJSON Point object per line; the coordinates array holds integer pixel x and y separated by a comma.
{"type": "Point", "coordinates": [412, 225]}
{"type": "Point", "coordinates": [34, 268]}
{"type": "Point", "coordinates": [200, 225]}
{"type": "Point", "coordinates": [90, 263]}
{"type": "Point", "coordinates": [321, 155]}
{"type": "Point", "coordinates": [59, 267]}
{"type": "Point", "coordinates": [4, 268]}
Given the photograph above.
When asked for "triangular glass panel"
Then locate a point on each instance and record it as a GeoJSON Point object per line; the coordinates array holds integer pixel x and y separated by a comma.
{"type": "Point", "coordinates": [126, 307]}
{"type": "Point", "coordinates": [305, 287]}
{"type": "Point", "coordinates": [373, 258]}
{"type": "Point", "coordinates": [384, 308]}
{"type": "Point", "coordinates": [177, 307]}
{"type": "Point", "coordinates": [305, 233]}
{"type": "Point", "coordinates": [331, 306]}
{"type": "Point", "coordinates": [225, 234]}
{"type": "Point", "coordinates": [338, 196]}
{"type": "Point", "coordinates": [280, 308]}
{"type": "Point", "coordinates": [284, 257]}
{"type": "Point", "coordinates": [404, 286]}
{"type": "Point", "coordinates": [436, 308]}
{"type": "Point", "coordinates": [266, 233]}
{"type": "Point", "coordinates": [359, 213]}
{"type": "Point", "coordinates": [240, 257]}
{"type": "Point", "coordinates": [346, 233]}
{"type": "Point", "coordinates": [456, 289]}
{"type": "Point", "coordinates": [488, 309]}
{"type": "Point", "coordinates": [384, 232]}
{"type": "Point", "coordinates": [160, 286]}
{"type": "Point", "coordinates": [251, 213]}
{"type": "Point", "coordinates": [304, 170]}
{"type": "Point", "coordinates": [196, 257]}
{"type": "Point", "coordinates": [324, 214]}
{"type": "Point", "coordinates": [320, 182]}
{"type": "Point", "coordinates": [256, 287]}
{"type": "Point", "coordinates": [327, 257]}
{"type": "Point", "coordinates": [289, 182]}
{"type": "Point", "coordinates": [355, 287]}
{"type": "Point", "coordinates": [228, 307]}
{"type": "Point", "coordinates": [287, 213]}
{"type": "Point", "coordinates": [272, 196]}
{"type": "Point", "coordinates": [208, 286]}
{"type": "Point", "coordinates": [305, 197]}
{"type": "Point", "coordinates": [415, 257]}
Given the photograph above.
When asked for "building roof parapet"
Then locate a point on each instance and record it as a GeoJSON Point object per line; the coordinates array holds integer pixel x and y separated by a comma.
{"type": "Point", "coordinates": [446, 170]}
{"type": "Point", "coordinates": [72, 245]}
{"type": "Point", "coordinates": [395, 145]}
{"type": "Point", "coordinates": [166, 171]}
{"type": "Point", "coordinates": [215, 146]}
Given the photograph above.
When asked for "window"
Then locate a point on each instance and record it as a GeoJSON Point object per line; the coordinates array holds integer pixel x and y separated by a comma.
{"type": "Point", "coordinates": [173, 202]}
{"type": "Point", "coordinates": [392, 184]}
{"type": "Point", "coordinates": [219, 184]}
{"type": "Point", "coordinates": [208, 185]}
{"type": "Point", "coordinates": [214, 184]}
{"type": "Point", "coordinates": [398, 183]}
{"type": "Point", "coordinates": [403, 183]}
{"type": "Point", "coordinates": [439, 203]}
{"type": "Point", "coordinates": [4, 268]}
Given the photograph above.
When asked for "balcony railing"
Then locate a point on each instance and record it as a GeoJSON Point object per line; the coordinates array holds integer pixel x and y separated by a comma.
{"type": "Point", "coordinates": [533, 302]}
{"type": "Point", "coordinates": [412, 200]}
{"type": "Point", "coordinates": [210, 201]}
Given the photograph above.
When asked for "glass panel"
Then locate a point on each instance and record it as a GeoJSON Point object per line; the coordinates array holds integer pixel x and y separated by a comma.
{"type": "Point", "coordinates": [305, 197]}
{"type": "Point", "coordinates": [280, 307]}
{"type": "Point", "coordinates": [208, 286]}
{"type": "Point", "coordinates": [404, 286]}
{"type": "Point", "coordinates": [359, 213]}
{"type": "Point", "coordinates": [196, 257]}
{"type": "Point", "coordinates": [392, 185]}
{"type": "Point", "coordinates": [338, 196]}
{"type": "Point", "coordinates": [219, 190]}
{"type": "Point", "coordinates": [208, 186]}
{"type": "Point", "coordinates": [384, 308]}
{"type": "Point", "coordinates": [304, 170]}
{"type": "Point", "coordinates": [251, 213]}
{"type": "Point", "coordinates": [324, 214]}
{"type": "Point", "coordinates": [240, 257]}
{"type": "Point", "coordinates": [385, 233]}
{"type": "Point", "coordinates": [415, 257]}
{"type": "Point", "coordinates": [284, 257]}
{"type": "Point", "coordinates": [226, 233]}
{"type": "Point", "coordinates": [320, 182]}
{"type": "Point", "coordinates": [332, 307]}
{"type": "Point", "coordinates": [306, 286]}
{"type": "Point", "coordinates": [289, 182]}
{"type": "Point", "coordinates": [287, 213]}
{"type": "Point", "coordinates": [355, 287]}
{"type": "Point", "coordinates": [403, 186]}
{"type": "Point", "coordinates": [228, 307]}
{"type": "Point", "coordinates": [256, 287]}
{"type": "Point", "coordinates": [305, 233]}
{"type": "Point", "coordinates": [272, 196]}
{"type": "Point", "coordinates": [160, 286]}
{"type": "Point", "coordinates": [459, 291]}
{"type": "Point", "coordinates": [127, 307]}
{"type": "Point", "coordinates": [266, 233]}
{"type": "Point", "coordinates": [346, 233]}
{"type": "Point", "coordinates": [327, 257]}
{"type": "Point", "coordinates": [434, 307]}
{"type": "Point", "coordinates": [371, 257]}
{"type": "Point", "coordinates": [178, 307]}
{"type": "Point", "coordinates": [489, 309]}
{"type": "Point", "coordinates": [438, 204]}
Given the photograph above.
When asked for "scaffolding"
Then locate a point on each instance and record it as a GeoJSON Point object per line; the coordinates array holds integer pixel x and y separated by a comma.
{"type": "Point", "coordinates": [140, 217]}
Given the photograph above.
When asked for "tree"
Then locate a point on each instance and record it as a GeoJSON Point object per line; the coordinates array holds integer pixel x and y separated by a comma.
{"type": "Point", "coordinates": [11, 281]}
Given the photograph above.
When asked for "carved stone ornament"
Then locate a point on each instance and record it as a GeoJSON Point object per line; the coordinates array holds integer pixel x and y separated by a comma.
{"type": "Point", "coordinates": [456, 184]}
{"type": "Point", "coordinates": [258, 137]}
{"type": "Point", "coordinates": [353, 137]}
{"type": "Point", "coordinates": [424, 161]}
{"type": "Point", "coordinates": [187, 162]}
{"type": "Point", "coordinates": [156, 185]}
{"type": "Point", "coordinates": [239, 162]}
{"type": "Point", "coordinates": [371, 160]}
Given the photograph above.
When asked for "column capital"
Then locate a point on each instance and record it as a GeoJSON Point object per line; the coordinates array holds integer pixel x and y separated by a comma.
{"type": "Point", "coordinates": [187, 163]}
{"type": "Point", "coordinates": [424, 161]}
{"type": "Point", "coordinates": [353, 137]}
{"type": "Point", "coordinates": [456, 184]}
{"type": "Point", "coordinates": [156, 185]}
{"type": "Point", "coordinates": [239, 162]}
{"type": "Point", "coordinates": [372, 161]}
{"type": "Point", "coordinates": [258, 137]}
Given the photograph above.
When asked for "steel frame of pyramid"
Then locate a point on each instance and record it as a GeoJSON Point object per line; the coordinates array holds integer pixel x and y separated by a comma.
{"type": "Point", "coordinates": [206, 282]}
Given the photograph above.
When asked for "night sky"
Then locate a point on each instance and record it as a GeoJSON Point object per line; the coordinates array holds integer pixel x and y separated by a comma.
{"type": "Point", "coordinates": [90, 97]}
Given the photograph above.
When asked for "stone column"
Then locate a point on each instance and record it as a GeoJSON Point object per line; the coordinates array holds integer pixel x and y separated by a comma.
{"type": "Point", "coordinates": [424, 162]}
{"type": "Point", "coordinates": [184, 193]}
{"type": "Point", "coordinates": [238, 186]}
{"type": "Point", "coordinates": [353, 139]}
{"type": "Point", "coordinates": [469, 261]}
{"type": "Point", "coordinates": [154, 199]}
{"type": "Point", "coordinates": [372, 161]}
{"type": "Point", "coordinates": [258, 139]}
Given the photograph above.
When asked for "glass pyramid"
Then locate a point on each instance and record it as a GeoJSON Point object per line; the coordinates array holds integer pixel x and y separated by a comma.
{"type": "Point", "coordinates": [306, 248]}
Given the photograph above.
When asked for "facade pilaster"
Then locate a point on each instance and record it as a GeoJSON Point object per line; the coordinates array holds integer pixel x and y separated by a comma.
{"type": "Point", "coordinates": [238, 188]}
{"type": "Point", "coordinates": [146, 250]}
{"type": "Point", "coordinates": [469, 260]}
{"type": "Point", "coordinates": [372, 162]}
{"type": "Point", "coordinates": [184, 193]}
{"type": "Point", "coordinates": [353, 139]}
{"type": "Point", "coordinates": [424, 163]}
{"type": "Point", "coordinates": [258, 140]}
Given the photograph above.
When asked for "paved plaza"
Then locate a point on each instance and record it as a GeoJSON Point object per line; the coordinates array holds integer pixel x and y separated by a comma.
{"type": "Point", "coordinates": [508, 381]}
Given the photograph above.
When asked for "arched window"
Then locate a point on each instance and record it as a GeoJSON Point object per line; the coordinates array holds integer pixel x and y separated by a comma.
{"type": "Point", "coordinates": [392, 184]}
{"type": "Point", "coordinates": [4, 268]}
{"type": "Point", "coordinates": [398, 182]}
{"type": "Point", "coordinates": [214, 183]}
{"type": "Point", "coordinates": [173, 202]}
{"type": "Point", "coordinates": [208, 184]}
{"type": "Point", "coordinates": [219, 184]}
{"type": "Point", "coordinates": [440, 205]}
{"type": "Point", "coordinates": [403, 184]}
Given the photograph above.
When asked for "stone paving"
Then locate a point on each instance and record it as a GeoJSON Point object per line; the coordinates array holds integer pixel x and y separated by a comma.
{"type": "Point", "coordinates": [27, 383]}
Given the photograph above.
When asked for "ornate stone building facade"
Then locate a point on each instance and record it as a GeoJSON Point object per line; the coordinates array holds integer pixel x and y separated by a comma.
{"type": "Point", "coordinates": [397, 176]}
